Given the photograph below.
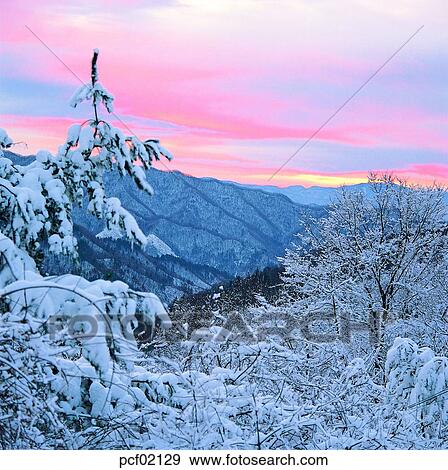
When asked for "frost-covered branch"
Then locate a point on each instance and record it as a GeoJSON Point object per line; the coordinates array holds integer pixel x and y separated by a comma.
{"type": "Point", "coordinates": [36, 200]}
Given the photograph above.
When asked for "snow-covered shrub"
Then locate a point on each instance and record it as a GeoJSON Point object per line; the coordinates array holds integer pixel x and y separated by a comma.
{"type": "Point", "coordinates": [417, 389]}
{"type": "Point", "coordinates": [401, 368]}
{"type": "Point", "coordinates": [430, 398]}
{"type": "Point", "coordinates": [27, 419]}
{"type": "Point", "coordinates": [5, 141]}
{"type": "Point", "coordinates": [69, 343]}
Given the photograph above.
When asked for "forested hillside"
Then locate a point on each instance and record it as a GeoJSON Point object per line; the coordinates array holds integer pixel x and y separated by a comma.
{"type": "Point", "coordinates": [214, 231]}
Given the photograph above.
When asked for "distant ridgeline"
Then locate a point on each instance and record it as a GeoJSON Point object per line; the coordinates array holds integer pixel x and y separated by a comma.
{"type": "Point", "coordinates": [202, 231]}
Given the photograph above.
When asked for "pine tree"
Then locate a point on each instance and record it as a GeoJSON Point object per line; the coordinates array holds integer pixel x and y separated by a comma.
{"type": "Point", "coordinates": [38, 198]}
{"type": "Point", "coordinates": [67, 350]}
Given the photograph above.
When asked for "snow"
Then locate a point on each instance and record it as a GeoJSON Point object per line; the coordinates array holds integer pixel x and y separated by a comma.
{"type": "Point", "coordinates": [5, 141]}
{"type": "Point", "coordinates": [159, 247]}
{"type": "Point", "coordinates": [86, 140]}
{"type": "Point", "coordinates": [73, 134]}
{"type": "Point", "coordinates": [96, 93]}
{"type": "Point", "coordinates": [81, 94]}
{"type": "Point", "coordinates": [429, 395]}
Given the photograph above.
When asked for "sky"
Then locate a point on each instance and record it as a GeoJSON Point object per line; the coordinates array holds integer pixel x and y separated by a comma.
{"type": "Point", "coordinates": [234, 87]}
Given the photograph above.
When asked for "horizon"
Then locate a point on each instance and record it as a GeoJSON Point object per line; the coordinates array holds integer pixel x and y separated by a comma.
{"type": "Point", "coordinates": [248, 91]}
{"type": "Point", "coordinates": [262, 186]}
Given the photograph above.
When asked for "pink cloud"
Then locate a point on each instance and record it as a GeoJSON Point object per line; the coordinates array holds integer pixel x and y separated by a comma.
{"type": "Point", "coordinates": [224, 85]}
{"type": "Point", "coordinates": [198, 162]}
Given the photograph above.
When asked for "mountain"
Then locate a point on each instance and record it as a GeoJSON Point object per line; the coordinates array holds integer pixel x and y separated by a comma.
{"type": "Point", "coordinates": [203, 231]}
{"type": "Point", "coordinates": [314, 195]}
{"type": "Point", "coordinates": [207, 221]}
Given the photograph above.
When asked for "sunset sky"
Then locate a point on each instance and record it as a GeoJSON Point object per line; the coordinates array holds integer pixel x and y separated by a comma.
{"type": "Point", "coordinates": [233, 88]}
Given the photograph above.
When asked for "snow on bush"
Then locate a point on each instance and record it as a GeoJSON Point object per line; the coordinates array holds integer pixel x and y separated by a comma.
{"type": "Point", "coordinates": [67, 350]}
{"type": "Point", "coordinates": [429, 397]}
{"type": "Point", "coordinates": [417, 390]}
{"type": "Point", "coordinates": [5, 141]}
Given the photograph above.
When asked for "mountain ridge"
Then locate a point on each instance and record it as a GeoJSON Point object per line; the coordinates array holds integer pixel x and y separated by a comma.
{"type": "Point", "coordinates": [313, 195]}
{"type": "Point", "coordinates": [216, 230]}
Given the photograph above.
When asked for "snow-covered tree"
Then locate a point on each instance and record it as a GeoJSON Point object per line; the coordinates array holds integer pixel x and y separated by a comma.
{"type": "Point", "coordinates": [68, 357]}
{"type": "Point", "coordinates": [37, 199]}
{"type": "Point", "coordinates": [378, 255]}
